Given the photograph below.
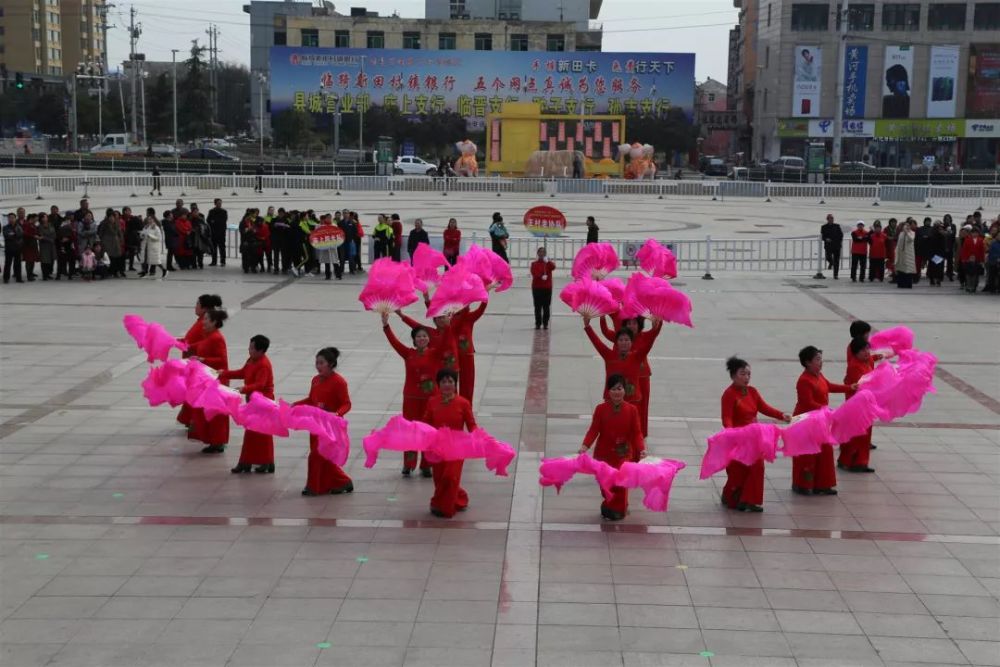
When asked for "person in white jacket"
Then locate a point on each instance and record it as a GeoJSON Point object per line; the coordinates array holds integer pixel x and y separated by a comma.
{"type": "Point", "coordinates": [152, 248]}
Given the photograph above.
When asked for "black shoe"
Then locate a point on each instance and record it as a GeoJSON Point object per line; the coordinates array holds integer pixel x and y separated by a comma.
{"type": "Point", "coordinates": [545, 326]}
{"type": "Point", "coordinates": [213, 449]}
{"type": "Point", "coordinates": [861, 469]}
{"type": "Point", "coordinates": [747, 507]}
{"type": "Point", "coordinates": [347, 488]}
{"type": "Point", "coordinates": [825, 492]}
{"type": "Point", "coordinates": [438, 513]}
{"type": "Point", "coordinates": [801, 491]}
{"type": "Point", "coordinates": [537, 327]}
{"type": "Point", "coordinates": [264, 469]}
{"type": "Point", "coordinates": [426, 473]}
{"type": "Point", "coordinates": [309, 492]}
{"type": "Point", "coordinates": [240, 467]}
{"type": "Point", "coordinates": [213, 264]}
{"type": "Point", "coordinates": [142, 275]}
{"type": "Point", "coordinates": [841, 466]}
{"type": "Point", "coordinates": [872, 446]}
{"type": "Point", "coordinates": [407, 471]}
{"type": "Point", "coordinates": [722, 500]}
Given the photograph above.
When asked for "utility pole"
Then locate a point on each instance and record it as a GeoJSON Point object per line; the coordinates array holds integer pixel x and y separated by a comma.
{"type": "Point", "coordinates": [838, 111]}
{"type": "Point", "coordinates": [174, 52]}
{"type": "Point", "coordinates": [213, 64]}
{"type": "Point", "coordinates": [133, 36]}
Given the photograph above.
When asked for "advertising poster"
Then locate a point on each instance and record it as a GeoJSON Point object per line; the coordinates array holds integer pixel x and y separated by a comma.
{"type": "Point", "coordinates": [896, 76]}
{"type": "Point", "coordinates": [807, 79]}
{"type": "Point", "coordinates": [855, 81]}
{"type": "Point", "coordinates": [983, 91]}
{"type": "Point", "coordinates": [476, 83]}
{"type": "Point", "coordinates": [942, 82]}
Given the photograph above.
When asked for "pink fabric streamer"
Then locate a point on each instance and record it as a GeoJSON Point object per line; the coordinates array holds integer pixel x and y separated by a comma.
{"type": "Point", "coordinates": [426, 263]}
{"type": "Point", "coordinates": [152, 338]}
{"type": "Point", "coordinates": [896, 339]}
{"type": "Point", "coordinates": [746, 444]}
{"type": "Point", "coordinates": [807, 433]}
{"type": "Point", "coordinates": [390, 286]}
{"type": "Point", "coordinates": [657, 260]}
{"type": "Point", "coordinates": [589, 298]}
{"type": "Point", "coordinates": [654, 476]}
{"type": "Point", "coordinates": [856, 416]}
{"type": "Point", "coordinates": [263, 415]}
{"type": "Point", "coordinates": [398, 435]}
{"type": "Point", "coordinates": [458, 288]}
{"type": "Point", "coordinates": [595, 260]}
{"type": "Point", "coordinates": [489, 266]}
{"type": "Point", "coordinates": [207, 393]}
{"type": "Point", "coordinates": [166, 383]}
{"type": "Point", "coordinates": [655, 298]}
{"type": "Point", "coordinates": [557, 471]}
{"type": "Point", "coordinates": [915, 379]}
{"type": "Point", "coordinates": [330, 428]}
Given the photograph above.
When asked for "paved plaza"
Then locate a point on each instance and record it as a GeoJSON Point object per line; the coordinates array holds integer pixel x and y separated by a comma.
{"type": "Point", "coordinates": [122, 545]}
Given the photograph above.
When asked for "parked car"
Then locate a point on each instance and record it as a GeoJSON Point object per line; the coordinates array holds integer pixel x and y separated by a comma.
{"type": "Point", "coordinates": [208, 154]}
{"type": "Point", "coordinates": [715, 167]}
{"type": "Point", "coordinates": [858, 166]}
{"type": "Point", "coordinates": [216, 142]}
{"type": "Point", "coordinates": [703, 162]}
{"type": "Point", "coordinates": [411, 164]}
{"type": "Point", "coordinates": [788, 168]}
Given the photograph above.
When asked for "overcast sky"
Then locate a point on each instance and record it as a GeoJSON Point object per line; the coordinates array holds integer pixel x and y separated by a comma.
{"type": "Point", "coordinates": [698, 26]}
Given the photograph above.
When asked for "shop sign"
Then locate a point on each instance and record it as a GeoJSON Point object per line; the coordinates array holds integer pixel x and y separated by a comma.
{"type": "Point", "coordinates": [852, 128]}
{"type": "Point", "coordinates": [544, 221]}
{"type": "Point", "coordinates": [793, 128]}
{"type": "Point", "coordinates": [985, 129]}
{"type": "Point", "coordinates": [947, 129]}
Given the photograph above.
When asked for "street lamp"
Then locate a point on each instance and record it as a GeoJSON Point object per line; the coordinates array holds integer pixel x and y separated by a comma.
{"type": "Point", "coordinates": [174, 52]}
{"type": "Point", "coordinates": [262, 82]}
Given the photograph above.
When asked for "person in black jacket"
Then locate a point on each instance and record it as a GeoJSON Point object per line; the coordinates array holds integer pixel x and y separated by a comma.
{"type": "Point", "coordinates": [936, 244]}
{"type": "Point", "coordinates": [950, 232]}
{"type": "Point", "coordinates": [833, 241]}
{"type": "Point", "coordinates": [170, 238]}
{"type": "Point", "coordinates": [592, 229]}
{"type": "Point", "coordinates": [922, 247]}
{"type": "Point", "coordinates": [416, 237]}
{"type": "Point", "coordinates": [133, 229]}
{"type": "Point", "coordinates": [218, 220]}
{"type": "Point", "coordinates": [13, 240]}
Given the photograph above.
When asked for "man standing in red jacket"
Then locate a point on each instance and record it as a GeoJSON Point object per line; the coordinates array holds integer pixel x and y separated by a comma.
{"type": "Point", "coordinates": [859, 251]}
{"type": "Point", "coordinates": [541, 288]}
{"type": "Point", "coordinates": [876, 255]}
{"type": "Point", "coordinates": [397, 237]}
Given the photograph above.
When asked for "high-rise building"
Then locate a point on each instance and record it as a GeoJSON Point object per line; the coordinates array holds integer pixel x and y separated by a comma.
{"type": "Point", "coordinates": [480, 25]}
{"type": "Point", "coordinates": [48, 38]}
{"type": "Point", "coordinates": [920, 80]}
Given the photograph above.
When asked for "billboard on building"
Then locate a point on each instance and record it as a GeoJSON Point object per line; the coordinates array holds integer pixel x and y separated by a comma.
{"type": "Point", "coordinates": [942, 82]}
{"type": "Point", "coordinates": [982, 97]}
{"type": "Point", "coordinates": [855, 81]}
{"type": "Point", "coordinates": [806, 82]}
{"type": "Point", "coordinates": [475, 83]}
{"type": "Point", "coordinates": [896, 76]}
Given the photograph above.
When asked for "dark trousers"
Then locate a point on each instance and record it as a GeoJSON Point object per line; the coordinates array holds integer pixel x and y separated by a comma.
{"type": "Point", "coordinates": [904, 280]}
{"type": "Point", "coordinates": [11, 260]}
{"type": "Point", "coordinates": [380, 250]}
{"type": "Point", "coordinates": [29, 270]}
{"type": "Point", "coordinates": [156, 185]}
{"type": "Point", "coordinates": [46, 270]}
{"type": "Point", "coordinates": [858, 261]}
{"type": "Point", "coordinates": [275, 256]}
{"type": "Point", "coordinates": [219, 250]}
{"type": "Point", "coordinates": [920, 267]}
{"type": "Point", "coordinates": [949, 265]}
{"type": "Point", "coordinates": [935, 272]}
{"type": "Point", "coordinates": [259, 186]}
{"type": "Point", "coordinates": [833, 260]}
{"type": "Point", "coordinates": [64, 265]}
{"type": "Point", "coordinates": [876, 269]}
{"type": "Point", "coordinates": [543, 301]}
{"type": "Point", "coordinates": [396, 253]}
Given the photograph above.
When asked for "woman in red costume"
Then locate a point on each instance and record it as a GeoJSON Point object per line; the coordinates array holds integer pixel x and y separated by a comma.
{"type": "Point", "coordinates": [452, 241]}
{"type": "Point", "coordinates": [211, 351]}
{"type": "Point", "coordinates": [644, 339]}
{"type": "Point", "coordinates": [257, 376]}
{"type": "Point", "coordinates": [856, 453]}
{"type": "Point", "coordinates": [814, 473]}
{"type": "Point", "coordinates": [442, 336]}
{"type": "Point", "coordinates": [744, 490]}
{"type": "Point", "coordinates": [422, 362]}
{"type": "Point", "coordinates": [205, 303]}
{"type": "Point", "coordinates": [447, 409]}
{"type": "Point", "coordinates": [329, 392]}
{"type": "Point", "coordinates": [462, 324]}
{"type": "Point", "coordinates": [625, 358]}
{"type": "Point", "coordinates": [616, 429]}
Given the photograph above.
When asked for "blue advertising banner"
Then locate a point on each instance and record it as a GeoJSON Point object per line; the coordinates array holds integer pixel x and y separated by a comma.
{"type": "Point", "coordinates": [855, 79]}
{"type": "Point", "coordinates": [474, 83]}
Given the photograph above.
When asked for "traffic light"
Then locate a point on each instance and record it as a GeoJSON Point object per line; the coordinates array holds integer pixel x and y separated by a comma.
{"type": "Point", "coordinates": [19, 81]}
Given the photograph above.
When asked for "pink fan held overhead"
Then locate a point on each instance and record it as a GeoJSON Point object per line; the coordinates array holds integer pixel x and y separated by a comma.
{"type": "Point", "coordinates": [595, 260]}
{"type": "Point", "coordinates": [589, 298]}
{"type": "Point", "coordinates": [459, 288]}
{"type": "Point", "coordinates": [489, 266]}
{"type": "Point", "coordinates": [427, 261]}
{"type": "Point", "coordinates": [657, 260]}
{"type": "Point", "coordinates": [654, 297]}
{"type": "Point", "coordinates": [390, 286]}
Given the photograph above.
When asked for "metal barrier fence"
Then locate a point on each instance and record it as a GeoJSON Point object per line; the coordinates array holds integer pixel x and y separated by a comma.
{"type": "Point", "coordinates": [135, 183]}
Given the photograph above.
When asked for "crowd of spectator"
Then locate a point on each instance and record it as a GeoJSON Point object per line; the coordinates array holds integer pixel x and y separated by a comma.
{"type": "Point", "coordinates": [903, 252]}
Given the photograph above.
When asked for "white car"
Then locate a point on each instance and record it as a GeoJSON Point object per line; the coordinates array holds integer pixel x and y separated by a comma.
{"type": "Point", "coordinates": [217, 142]}
{"type": "Point", "coordinates": [410, 164]}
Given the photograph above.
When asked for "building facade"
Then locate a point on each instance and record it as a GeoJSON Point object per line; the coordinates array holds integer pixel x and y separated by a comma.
{"type": "Point", "coordinates": [473, 25]}
{"type": "Point", "coordinates": [40, 39]}
{"type": "Point", "coordinates": [711, 97]}
{"type": "Point", "coordinates": [922, 80]}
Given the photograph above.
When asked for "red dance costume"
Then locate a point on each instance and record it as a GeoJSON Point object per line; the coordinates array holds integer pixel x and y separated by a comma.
{"type": "Point", "coordinates": [330, 394]}
{"type": "Point", "coordinates": [440, 338]}
{"type": "Point", "coordinates": [629, 366]}
{"type": "Point", "coordinates": [619, 439]}
{"type": "Point", "coordinates": [462, 324]}
{"type": "Point", "coordinates": [814, 471]}
{"type": "Point", "coordinates": [744, 484]}
{"type": "Point", "coordinates": [646, 340]}
{"type": "Point", "coordinates": [257, 376]}
{"type": "Point", "coordinates": [456, 414]}
{"type": "Point", "coordinates": [212, 351]}
{"type": "Point", "coordinates": [420, 384]}
{"type": "Point", "coordinates": [857, 451]}
{"type": "Point", "coordinates": [193, 335]}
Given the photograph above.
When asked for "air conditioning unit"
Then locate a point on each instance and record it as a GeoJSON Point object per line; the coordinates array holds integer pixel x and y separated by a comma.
{"type": "Point", "coordinates": [503, 16]}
